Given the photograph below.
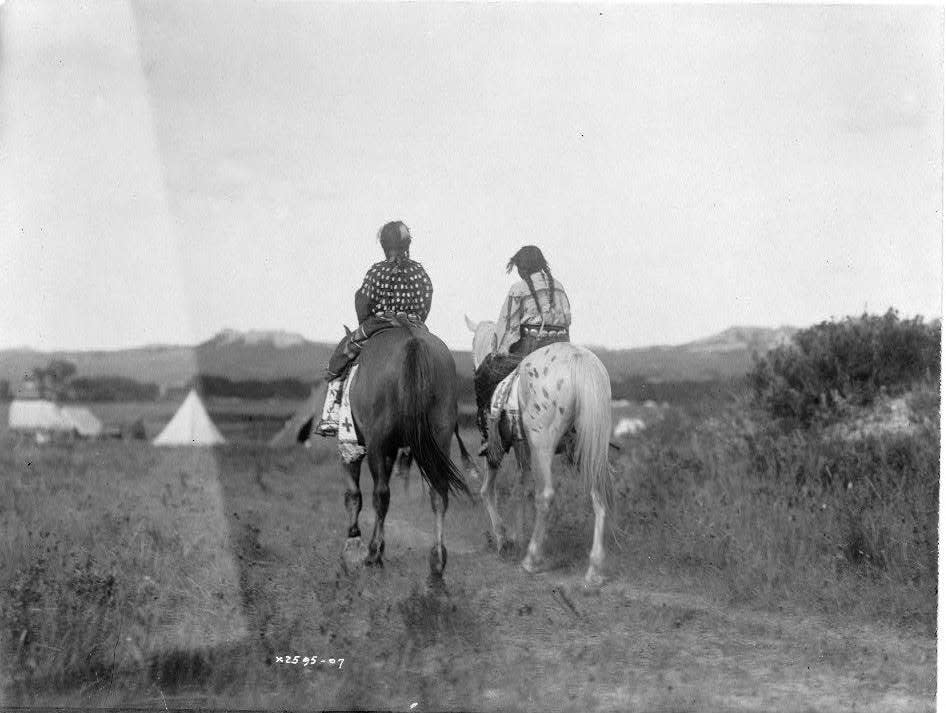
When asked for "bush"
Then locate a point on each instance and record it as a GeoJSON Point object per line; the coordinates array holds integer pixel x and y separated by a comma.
{"type": "Point", "coordinates": [775, 516]}
{"type": "Point", "coordinates": [834, 364]}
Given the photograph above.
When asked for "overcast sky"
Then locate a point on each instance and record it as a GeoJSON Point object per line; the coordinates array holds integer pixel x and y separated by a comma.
{"type": "Point", "coordinates": [173, 168]}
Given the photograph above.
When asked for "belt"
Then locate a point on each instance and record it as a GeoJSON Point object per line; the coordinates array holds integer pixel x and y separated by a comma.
{"type": "Point", "coordinates": [543, 331]}
{"type": "Point", "coordinates": [400, 315]}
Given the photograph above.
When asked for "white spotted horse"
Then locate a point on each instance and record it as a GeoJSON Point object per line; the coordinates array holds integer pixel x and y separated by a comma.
{"type": "Point", "coordinates": [562, 387]}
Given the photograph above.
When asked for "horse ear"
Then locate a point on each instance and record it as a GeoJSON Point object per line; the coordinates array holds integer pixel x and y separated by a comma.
{"type": "Point", "coordinates": [347, 330]}
{"type": "Point", "coordinates": [495, 342]}
{"type": "Point", "coordinates": [470, 324]}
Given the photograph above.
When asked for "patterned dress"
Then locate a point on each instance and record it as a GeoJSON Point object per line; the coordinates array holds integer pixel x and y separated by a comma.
{"type": "Point", "coordinates": [391, 286]}
{"type": "Point", "coordinates": [396, 286]}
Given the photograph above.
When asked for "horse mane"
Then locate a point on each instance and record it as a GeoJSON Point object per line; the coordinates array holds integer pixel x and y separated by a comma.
{"type": "Point", "coordinates": [484, 335]}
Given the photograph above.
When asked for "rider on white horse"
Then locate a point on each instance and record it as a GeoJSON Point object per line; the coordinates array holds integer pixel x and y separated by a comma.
{"type": "Point", "coordinates": [536, 313]}
{"type": "Point", "coordinates": [395, 287]}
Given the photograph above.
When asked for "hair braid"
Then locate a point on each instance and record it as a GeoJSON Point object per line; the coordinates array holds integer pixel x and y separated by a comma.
{"type": "Point", "coordinates": [535, 295]}
{"type": "Point", "coordinates": [548, 276]}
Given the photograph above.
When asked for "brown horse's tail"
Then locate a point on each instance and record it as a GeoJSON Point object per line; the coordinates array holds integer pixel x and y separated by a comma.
{"type": "Point", "coordinates": [415, 400]}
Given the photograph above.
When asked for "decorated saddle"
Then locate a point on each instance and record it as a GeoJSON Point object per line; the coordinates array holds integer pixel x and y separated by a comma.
{"type": "Point", "coordinates": [505, 400]}
{"type": "Point", "coordinates": [351, 345]}
{"type": "Point", "coordinates": [350, 447]}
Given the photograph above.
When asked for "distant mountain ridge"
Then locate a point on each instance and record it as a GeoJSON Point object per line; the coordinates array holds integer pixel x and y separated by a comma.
{"type": "Point", "coordinates": [760, 339]}
{"type": "Point", "coordinates": [277, 338]}
{"type": "Point", "coordinates": [271, 355]}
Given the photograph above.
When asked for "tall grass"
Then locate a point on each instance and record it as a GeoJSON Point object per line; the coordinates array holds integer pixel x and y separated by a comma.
{"type": "Point", "coordinates": [788, 518]}
{"type": "Point", "coordinates": [111, 552]}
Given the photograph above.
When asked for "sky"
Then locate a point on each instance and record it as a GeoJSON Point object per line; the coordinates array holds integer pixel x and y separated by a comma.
{"type": "Point", "coordinates": [169, 169]}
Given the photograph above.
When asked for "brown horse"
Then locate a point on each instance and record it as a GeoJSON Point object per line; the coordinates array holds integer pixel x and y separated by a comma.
{"type": "Point", "coordinates": [405, 395]}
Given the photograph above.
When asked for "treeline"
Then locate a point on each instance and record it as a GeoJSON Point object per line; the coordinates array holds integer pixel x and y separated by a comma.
{"type": "Point", "coordinates": [43, 383]}
{"type": "Point", "coordinates": [110, 388]}
{"type": "Point", "coordinates": [252, 389]}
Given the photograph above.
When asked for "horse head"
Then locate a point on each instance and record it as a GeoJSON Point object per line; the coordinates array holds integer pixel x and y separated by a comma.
{"type": "Point", "coordinates": [485, 341]}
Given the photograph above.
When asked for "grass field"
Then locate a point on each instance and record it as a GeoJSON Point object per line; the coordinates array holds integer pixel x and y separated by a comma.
{"type": "Point", "coordinates": [747, 571]}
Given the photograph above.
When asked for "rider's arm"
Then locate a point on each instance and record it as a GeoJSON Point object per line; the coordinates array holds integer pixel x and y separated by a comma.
{"type": "Point", "coordinates": [507, 326]}
{"type": "Point", "coordinates": [566, 307]}
{"type": "Point", "coordinates": [362, 306]}
{"type": "Point", "coordinates": [428, 288]}
{"type": "Point", "coordinates": [366, 296]}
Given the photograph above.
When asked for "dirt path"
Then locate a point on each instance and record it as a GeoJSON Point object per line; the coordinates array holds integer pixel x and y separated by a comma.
{"type": "Point", "coordinates": [501, 639]}
{"type": "Point", "coordinates": [505, 640]}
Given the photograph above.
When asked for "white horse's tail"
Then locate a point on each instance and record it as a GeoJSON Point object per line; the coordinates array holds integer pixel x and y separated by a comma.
{"type": "Point", "coordinates": [593, 424]}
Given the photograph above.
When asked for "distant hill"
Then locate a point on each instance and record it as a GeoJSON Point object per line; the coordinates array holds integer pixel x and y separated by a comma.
{"type": "Point", "coordinates": [735, 339]}
{"type": "Point", "coordinates": [236, 356]}
{"type": "Point", "coordinates": [721, 356]}
{"type": "Point", "coordinates": [277, 355]}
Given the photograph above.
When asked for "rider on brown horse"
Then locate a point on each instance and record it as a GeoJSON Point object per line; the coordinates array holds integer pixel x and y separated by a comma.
{"type": "Point", "coordinates": [395, 287]}
{"type": "Point", "coordinates": [536, 313]}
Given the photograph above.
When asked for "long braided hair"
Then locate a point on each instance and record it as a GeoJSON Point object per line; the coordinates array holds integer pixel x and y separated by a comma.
{"type": "Point", "coordinates": [528, 260]}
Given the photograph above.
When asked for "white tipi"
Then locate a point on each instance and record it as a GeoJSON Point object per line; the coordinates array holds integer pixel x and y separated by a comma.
{"type": "Point", "coordinates": [191, 426]}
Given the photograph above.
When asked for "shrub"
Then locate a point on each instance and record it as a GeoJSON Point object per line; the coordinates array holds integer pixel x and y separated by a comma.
{"type": "Point", "coordinates": [834, 364]}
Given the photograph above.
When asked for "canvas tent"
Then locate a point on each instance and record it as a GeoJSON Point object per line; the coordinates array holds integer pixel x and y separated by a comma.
{"type": "Point", "coordinates": [629, 426]}
{"type": "Point", "coordinates": [299, 427]}
{"type": "Point", "coordinates": [38, 415]}
{"type": "Point", "coordinates": [83, 421]}
{"type": "Point", "coordinates": [191, 426]}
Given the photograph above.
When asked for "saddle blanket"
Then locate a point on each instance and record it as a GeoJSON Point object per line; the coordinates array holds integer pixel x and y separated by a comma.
{"type": "Point", "coordinates": [506, 399]}
{"type": "Point", "coordinates": [349, 447]}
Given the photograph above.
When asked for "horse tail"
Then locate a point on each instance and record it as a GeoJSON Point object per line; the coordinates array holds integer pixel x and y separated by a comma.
{"type": "Point", "coordinates": [593, 424]}
{"type": "Point", "coordinates": [415, 400]}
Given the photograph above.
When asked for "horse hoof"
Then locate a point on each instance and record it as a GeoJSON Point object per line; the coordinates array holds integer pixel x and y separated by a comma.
{"type": "Point", "coordinates": [354, 552]}
{"type": "Point", "coordinates": [533, 565]}
{"type": "Point", "coordinates": [506, 548]}
{"type": "Point", "coordinates": [473, 475]}
{"type": "Point", "coordinates": [438, 560]}
{"type": "Point", "coordinates": [594, 576]}
{"type": "Point", "coordinates": [373, 558]}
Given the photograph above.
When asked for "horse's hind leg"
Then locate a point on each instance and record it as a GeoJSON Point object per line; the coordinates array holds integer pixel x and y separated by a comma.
{"type": "Point", "coordinates": [381, 465]}
{"type": "Point", "coordinates": [488, 494]}
{"type": "Point", "coordinates": [353, 497]}
{"type": "Point", "coordinates": [403, 467]}
{"type": "Point", "coordinates": [542, 472]}
{"type": "Point", "coordinates": [354, 549]}
{"type": "Point", "coordinates": [522, 494]}
{"type": "Point", "coordinates": [438, 553]}
{"type": "Point", "coordinates": [594, 577]}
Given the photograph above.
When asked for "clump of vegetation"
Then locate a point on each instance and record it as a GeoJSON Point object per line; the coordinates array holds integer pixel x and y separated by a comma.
{"type": "Point", "coordinates": [776, 495]}
{"type": "Point", "coordinates": [802, 518]}
{"type": "Point", "coordinates": [837, 364]}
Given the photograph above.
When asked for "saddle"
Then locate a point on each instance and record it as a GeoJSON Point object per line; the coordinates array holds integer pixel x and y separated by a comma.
{"type": "Point", "coordinates": [350, 347]}
{"type": "Point", "coordinates": [350, 446]}
{"type": "Point", "coordinates": [505, 400]}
